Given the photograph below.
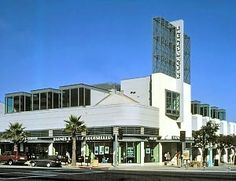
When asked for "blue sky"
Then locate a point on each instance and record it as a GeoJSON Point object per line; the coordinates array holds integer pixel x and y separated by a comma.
{"type": "Point", "coordinates": [49, 43]}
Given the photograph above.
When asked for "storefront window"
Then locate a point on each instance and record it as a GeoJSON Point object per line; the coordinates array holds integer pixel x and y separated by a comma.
{"type": "Point", "coordinates": [129, 152]}
{"type": "Point", "coordinates": [103, 151]}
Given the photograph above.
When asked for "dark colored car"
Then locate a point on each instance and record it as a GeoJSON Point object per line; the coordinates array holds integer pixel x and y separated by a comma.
{"type": "Point", "coordinates": [50, 161]}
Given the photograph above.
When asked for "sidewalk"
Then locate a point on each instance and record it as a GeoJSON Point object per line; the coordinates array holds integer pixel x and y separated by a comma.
{"type": "Point", "coordinates": [152, 167]}
{"type": "Point", "coordinates": [155, 167]}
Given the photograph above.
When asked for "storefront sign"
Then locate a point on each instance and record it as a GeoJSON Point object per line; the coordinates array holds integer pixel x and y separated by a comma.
{"type": "Point", "coordinates": [175, 137]}
{"type": "Point", "coordinates": [187, 138]}
{"type": "Point", "coordinates": [32, 138]}
{"type": "Point", "coordinates": [91, 138]}
{"type": "Point", "coordinates": [178, 52]}
{"type": "Point", "coordinates": [64, 138]}
{"type": "Point", "coordinates": [153, 138]}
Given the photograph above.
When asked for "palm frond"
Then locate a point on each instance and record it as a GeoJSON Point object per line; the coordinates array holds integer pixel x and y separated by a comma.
{"type": "Point", "coordinates": [74, 125]}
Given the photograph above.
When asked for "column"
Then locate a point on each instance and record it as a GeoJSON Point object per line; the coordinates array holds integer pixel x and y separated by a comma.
{"type": "Point", "coordinates": [83, 145]}
{"type": "Point", "coordinates": [142, 153]}
{"type": "Point", "coordinates": [138, 157]}
{"type": "Point", "coordinates": [115, 146]}
{"type": "Point", "coordinates": [160, 152]}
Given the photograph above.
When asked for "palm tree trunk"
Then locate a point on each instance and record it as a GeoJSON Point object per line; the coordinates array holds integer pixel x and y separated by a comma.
{"type": "Point", "coordinates": [74, 151]}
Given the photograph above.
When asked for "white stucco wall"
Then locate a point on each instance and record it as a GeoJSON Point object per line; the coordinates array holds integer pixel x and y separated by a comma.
{"type": "Point", "coordinates": [93, 116]}
{"type": "Point", "coordinates": [137, 89]}
{"type": "Point", "coordinates": [168, 126]}
{"type": "Point", "coordinates": [223, 127]}
{"type": "Point", "coordinates": [216, 121]}
{"type": "Point", "coordinates": [96, 96]}
{"type": "Point", "coordinates": [196, 122]}
{"type": "Point", "coordinates": [231, 128]}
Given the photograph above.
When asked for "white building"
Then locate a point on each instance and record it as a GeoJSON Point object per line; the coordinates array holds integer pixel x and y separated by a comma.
{"type": "Point", "coordinates": [203, 113]}
{"type": "Point", "coordinates": [168, 87]}
{"type": "Point", "coordinates": [104, 114]}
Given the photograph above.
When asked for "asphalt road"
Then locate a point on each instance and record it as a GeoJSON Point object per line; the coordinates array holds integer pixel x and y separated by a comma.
{"type": "Point", "coordinates": [36, 173]}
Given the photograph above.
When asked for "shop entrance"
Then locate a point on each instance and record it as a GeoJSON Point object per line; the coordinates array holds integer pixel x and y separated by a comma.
{"type": "Point", "coordinates": [129, 152]}
{"type": "Point", "coordinates": [151, 152]}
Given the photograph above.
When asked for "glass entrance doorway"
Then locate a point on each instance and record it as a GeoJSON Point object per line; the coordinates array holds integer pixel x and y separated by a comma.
{"type": "Point", "coordinates": [129, 152]}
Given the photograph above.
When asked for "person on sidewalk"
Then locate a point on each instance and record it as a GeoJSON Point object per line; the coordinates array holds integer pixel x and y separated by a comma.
{"type": "Point", "coordinates": [167, 158]}
{"type": "Point", "coordinates": [68, 157]}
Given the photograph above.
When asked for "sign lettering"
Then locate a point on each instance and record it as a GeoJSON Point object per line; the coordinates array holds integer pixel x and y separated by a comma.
{"type": "Point", "coordinates": [178, 52]}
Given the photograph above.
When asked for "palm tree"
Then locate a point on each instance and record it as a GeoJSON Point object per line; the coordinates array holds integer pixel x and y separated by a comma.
{"type": "Point", "coordinates": [16, 133]}
{"type": "Point", "coordinates": [74, 126]}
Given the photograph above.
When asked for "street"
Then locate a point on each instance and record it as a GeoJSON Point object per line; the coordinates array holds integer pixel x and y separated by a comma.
{"type": "Point", "coordinates": [162, 174]}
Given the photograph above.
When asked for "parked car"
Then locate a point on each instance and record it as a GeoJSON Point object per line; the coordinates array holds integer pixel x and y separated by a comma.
{"type": "Point", "coordinates": [50, 161]}
{"type": "Point", "coordinates": [13, 158]}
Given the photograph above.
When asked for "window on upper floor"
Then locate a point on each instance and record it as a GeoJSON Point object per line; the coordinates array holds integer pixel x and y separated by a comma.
{"type": "Point", "coordinates": [16, 103]}
{"type": "Point", "coordinates": [74, 97]}
{"type": "Point", "coordinates": [87, 97]}
{"type": "Point", "coordinates": [172, 104]}
{"type": "Point", "coordinates": [81, 96]}
{"type": "Point", "coordinates": [49, 100]}
{"type": "Point", "coordinates": [65, 98]}
{"type": "Point", "coordinates": [35, 101]}
{"type": "Point", "coordinates": [43, 100]}
{"type": "Point", "coordinates": [10, 105]}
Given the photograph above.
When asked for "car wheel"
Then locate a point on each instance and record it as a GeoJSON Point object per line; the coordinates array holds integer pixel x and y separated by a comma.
{"type": "Point", "coordinates": [10, 162]}
{"type": "Point", "coordinates": [33, 164]}
{"type": "Point", "coordinates": [48, 165]}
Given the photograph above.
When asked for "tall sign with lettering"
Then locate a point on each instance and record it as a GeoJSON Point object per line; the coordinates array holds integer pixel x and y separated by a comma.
{"type": "Point", "coordinates": [179, 62]}
{"type": "Point", "coordinates": [178, 52]}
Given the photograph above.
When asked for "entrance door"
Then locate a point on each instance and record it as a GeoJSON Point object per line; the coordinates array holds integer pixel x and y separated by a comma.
{"type": "Point", "coordinates": [128, 152]}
